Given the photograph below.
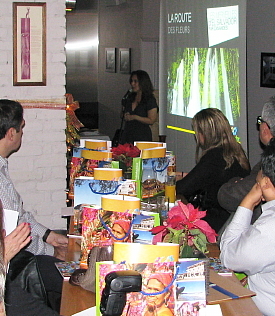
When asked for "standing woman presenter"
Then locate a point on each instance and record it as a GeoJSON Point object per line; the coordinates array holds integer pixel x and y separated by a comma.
{"type": "Point", "coordinates": [140, 109]}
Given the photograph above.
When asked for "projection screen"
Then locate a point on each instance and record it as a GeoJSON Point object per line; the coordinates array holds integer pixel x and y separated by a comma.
{"type": "Point", "coordinates": [202, 64]}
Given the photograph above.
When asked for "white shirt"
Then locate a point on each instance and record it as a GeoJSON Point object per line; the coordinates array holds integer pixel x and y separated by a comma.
{"type": "Point", "coordinates": [251, 249]}
{"type": "Point", "coordinates": [11, 200]}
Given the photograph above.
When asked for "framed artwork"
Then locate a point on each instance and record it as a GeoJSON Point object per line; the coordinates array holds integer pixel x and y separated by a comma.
{"type": "Point", "coordinates": [110, 59]}
{"type": "Point", "coordinates": [29, 43]}
{"type": "Point", "coordinates": [125, 60]}
{"type": "Point", "coordinates": [267, 70]}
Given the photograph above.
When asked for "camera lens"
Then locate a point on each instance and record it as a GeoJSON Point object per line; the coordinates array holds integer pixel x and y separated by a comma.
{"type": "Point", "coordinates": [116, 285]}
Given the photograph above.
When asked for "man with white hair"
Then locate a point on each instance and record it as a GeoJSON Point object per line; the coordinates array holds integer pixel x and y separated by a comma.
{"type": "Point", "coordinates": [232, 193]}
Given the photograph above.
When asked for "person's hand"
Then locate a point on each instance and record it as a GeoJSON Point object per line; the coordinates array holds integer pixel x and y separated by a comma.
{"type": "Point", "coordinates": [60, 243]}
{"type": "Point", "coordinates": [244, 281]}
{"type": "Point", "coordinates": [16, 240]}
{"type": "Point", "coordinates": [2, 308]}
{"type": "Point", "coordinates": [128, 116]}
{"type": "Point", "coordinates": [253, 197]}
{"type": "Point", "coordinates": [259, 176]}
{"type": "Point", "coordinates": [268, 189]}
{"type": "Point", "coordinates": [60, 253]}
{"type": "Point", "coordinates": [57, 240]}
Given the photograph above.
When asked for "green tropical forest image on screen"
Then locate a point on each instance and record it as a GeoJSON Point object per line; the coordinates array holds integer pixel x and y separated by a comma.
{"type": "Point", "coordinates": [200, 78]}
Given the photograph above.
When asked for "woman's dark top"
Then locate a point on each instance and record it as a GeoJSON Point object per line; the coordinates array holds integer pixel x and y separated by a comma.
{"type": "Point", "coordinates": [207, 177]}
{"type": "Point", "coordinates": [135, 130]}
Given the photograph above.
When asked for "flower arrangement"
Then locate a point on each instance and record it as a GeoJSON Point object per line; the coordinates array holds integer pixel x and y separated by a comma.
{"type": "Point", "coordinates": [185, 227]}
{"type": "Point", "coordinates": [125, 154]}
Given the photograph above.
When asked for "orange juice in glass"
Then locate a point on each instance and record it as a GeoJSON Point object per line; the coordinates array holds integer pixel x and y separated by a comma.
{"type": "Point", "coordinates": [170, 188]}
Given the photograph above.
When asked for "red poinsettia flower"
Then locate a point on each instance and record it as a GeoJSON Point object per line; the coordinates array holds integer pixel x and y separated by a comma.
{"type": "Point", "coordinates": [191, 217]}
{"type": "Point", "coordinates": [125, 153]}
{"type": "Point", "coordinates": [160, 232]}
{"type": "Point", "coordinates": [184, 217]}
{"type": "Point", "coordinates": [176, 222]}
{"type": "Point", "coordinates": [128, 150]}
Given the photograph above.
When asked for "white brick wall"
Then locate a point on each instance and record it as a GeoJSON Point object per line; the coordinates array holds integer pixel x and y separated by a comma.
{"type": "Point", "coordinates": [39, 168]}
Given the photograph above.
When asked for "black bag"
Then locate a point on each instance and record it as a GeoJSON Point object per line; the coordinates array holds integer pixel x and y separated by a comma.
{"type": "Point", "coordinates": [23, 270]}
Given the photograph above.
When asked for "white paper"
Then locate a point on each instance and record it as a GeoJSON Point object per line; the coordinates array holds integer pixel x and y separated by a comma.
{"type": "Point", "coordinates": [87, 312]}
{"type": "Point", "coordinates": [213, 310]}
{"type": "Point", "coordinates": [67, 211]}
{"type": "Point", "coordinates": [74, 236]}
{"type": "Point", "coordinates": [10, 220]}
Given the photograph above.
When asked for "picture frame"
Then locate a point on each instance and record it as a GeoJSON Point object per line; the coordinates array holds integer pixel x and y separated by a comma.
{"type": "Point", "coordinates": [125, 60]}
{"type": "Point", "coordinates": [267, 70]}
{"type": "Point", "coordinates": [110, 59]}
{"type": "Point", "coordinates": [29, 43]}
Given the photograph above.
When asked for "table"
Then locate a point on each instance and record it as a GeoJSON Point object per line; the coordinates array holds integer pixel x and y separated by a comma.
{"type": "Point", "coordinates": [76, 299]}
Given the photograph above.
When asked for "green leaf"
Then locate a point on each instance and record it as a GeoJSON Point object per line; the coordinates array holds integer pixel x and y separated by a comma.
{"type": "Point", "coordinates": [187, 252]}
{"type": "Point", "coordinates": [175, 235]}
{"type": "Point", "coordinates": [195, 231]}
{"type": "Point", "coordinates": [200, 242]}
{"type": "Point", "coordinates": [167, 238]}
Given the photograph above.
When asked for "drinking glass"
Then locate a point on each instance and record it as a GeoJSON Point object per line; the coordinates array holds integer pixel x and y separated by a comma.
{"type": "Point", "coordinates": [170, 188]}
{"type": "Point", "coordinates": [162, 209]}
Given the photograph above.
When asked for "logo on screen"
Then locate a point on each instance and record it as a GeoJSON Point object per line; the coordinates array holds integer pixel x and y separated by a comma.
{"type": "Point", "coordinates": [223, 24]}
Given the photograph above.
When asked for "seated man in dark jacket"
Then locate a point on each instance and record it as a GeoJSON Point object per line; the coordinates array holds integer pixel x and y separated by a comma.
{"type": "Point", "coordinates": [232, 193]}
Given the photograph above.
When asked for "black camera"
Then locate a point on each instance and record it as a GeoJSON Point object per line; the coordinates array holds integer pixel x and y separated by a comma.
{"type": "Point", "coordinates": [118, 283]}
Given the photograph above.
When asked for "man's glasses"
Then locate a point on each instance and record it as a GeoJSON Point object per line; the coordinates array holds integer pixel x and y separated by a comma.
{"type": "Point", "coordinates": [260, 121]}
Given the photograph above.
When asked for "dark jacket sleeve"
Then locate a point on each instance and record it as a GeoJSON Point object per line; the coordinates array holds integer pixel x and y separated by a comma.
{"type": "Point", "coordinates": [232, 193]}
{"type": "Point", "coordinates": [204, 172]}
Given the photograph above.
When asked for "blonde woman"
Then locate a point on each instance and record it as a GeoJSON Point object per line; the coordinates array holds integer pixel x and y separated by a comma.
{"type": "Point", "coordinates": [219, 158]}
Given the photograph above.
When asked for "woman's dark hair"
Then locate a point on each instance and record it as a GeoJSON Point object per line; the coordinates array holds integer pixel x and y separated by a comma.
{"type": "Point", "coordinates": [268, 161]}
{"type": "Point", "coordinates": [144, 81]}
{"type": "Point", "coordinates": [11, 115]}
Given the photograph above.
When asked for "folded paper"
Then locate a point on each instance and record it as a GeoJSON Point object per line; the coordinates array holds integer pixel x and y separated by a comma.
{"type": "Point", "coordinates": [224, 288]}
{"type": "Point", "coordinates": [136, 252]}
{"type": "Point", "coordinates": [89, 191]}
{"type": "Point", "coordinates": [157, 152]}
{"type": "Point", "coordinates": [102, 228]}
{"type": "Point", "coordinates": [81, 166]}
{"type": "Point", "coordinates": [107, 174]}
{"type": "Point", "coordinates": [96, 155]}
{"type": "Point", "coordinates": [120, 203]}
{"type": "Point", "coordinates": [168, 288]}
{"type": "Point", "coordinates": [96, 144]}
{"type": "Point", "coordinates": [147, 145]}
{"type": "Point", "coordinates": [142, 226]}
{"type": "Point", "coordinates": [105, 138]}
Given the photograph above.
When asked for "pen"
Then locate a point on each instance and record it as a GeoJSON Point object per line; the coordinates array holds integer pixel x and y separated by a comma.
{"type": "Point", "coordinates": [222, 290]}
